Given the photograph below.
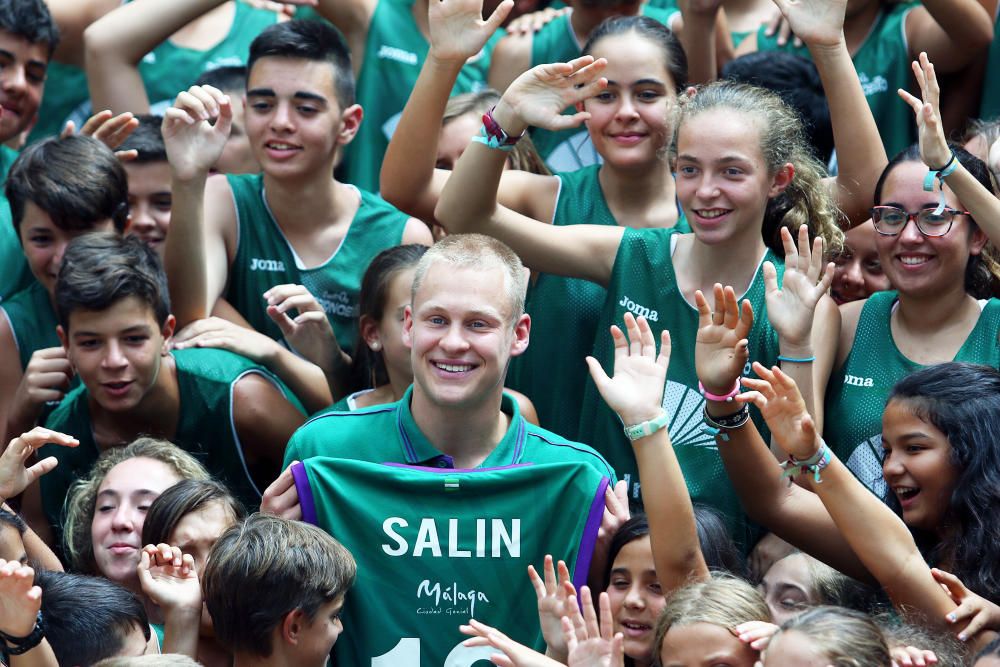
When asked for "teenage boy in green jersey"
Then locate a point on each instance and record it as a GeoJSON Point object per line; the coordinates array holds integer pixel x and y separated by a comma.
{"type": "Point", "coordinates": [28, 36]}
{"type": "Point", "coordinates": [237, 236]}
{"type": "Point", "coordinates": [115, 323]}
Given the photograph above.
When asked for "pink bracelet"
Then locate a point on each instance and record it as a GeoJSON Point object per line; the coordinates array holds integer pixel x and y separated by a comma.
{"type": "Point", "coordinates": [725, 398]}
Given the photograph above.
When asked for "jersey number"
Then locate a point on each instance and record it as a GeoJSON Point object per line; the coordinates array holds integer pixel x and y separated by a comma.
{"type": "Point", "coordinates": [406, 653]}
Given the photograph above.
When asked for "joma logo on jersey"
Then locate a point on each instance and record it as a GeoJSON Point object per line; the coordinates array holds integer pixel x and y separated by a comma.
{"type": "Point", "coordinates": [457, 601]}
{"type": "Point", "coordinates": [397, 54]}
{"type": "Point", "coordinates": [856, 381]}
{"type": "Point", "coordinates": [338, 304]}
{"type": "Point", "coordinates": [639, 311]}
{"type": "Point", "coordinates": [257, 264]}
{"type": "Point", "coordinates": [493, 537]}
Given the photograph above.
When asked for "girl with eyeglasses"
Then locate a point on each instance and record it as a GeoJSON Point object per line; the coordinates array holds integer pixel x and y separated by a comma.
{"type": "Point", "coordinates": [937, 220]}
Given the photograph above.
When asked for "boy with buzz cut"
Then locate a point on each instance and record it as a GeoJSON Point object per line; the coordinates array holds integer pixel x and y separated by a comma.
{"type": "Point", "coordinates": [28, 37]}
{"type": "Point", "coordinates": [115, 324]}
{"type": "Point", "coordinates": [236, 236]}
{"type": "Point", "coordinates": [58, 189]}
{"type": "Point", "coordinates": [274, 589]}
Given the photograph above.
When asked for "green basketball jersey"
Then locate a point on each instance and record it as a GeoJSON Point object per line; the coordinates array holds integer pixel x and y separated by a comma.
{"type": "Point", "coordinates": [883, 65]}
{"type": "Point", "coordinates": [205, 428]}
{"type": "Point", "coordinates": [166, 70]}
{"type": "Point", "coordinates": [643, 282]}
{"type": "Point", "coordinates": [990, 106]}
{"type": "Point", "coordinates": [394, 53]}
{"type": "Point", "coordinates": [437, 547]}
{"type": "Point", "coordinates": [564, 316]}
{"type": "Point", "coordinates": [265, 259]}
{"type": "Point", "coordinates": [32, 321]}
{"type": "Point", "coordinates": [569, 150]}
{"type": "Point", "coordinates": [857, 392]}
{"type": "Point", "coordinates": [16, 275]}
{"type": "Point", "coordinates": [388, 433]}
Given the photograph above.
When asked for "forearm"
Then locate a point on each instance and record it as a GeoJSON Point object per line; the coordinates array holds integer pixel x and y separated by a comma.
{"type": "Point", "coordinates": [698, 37]}
{"type": "Point", "coordinates": [305, 379]}
{"type": "Point", "coordinates": [185, 258]}
{"type": "Point", "coordinates": [180, 631]}
{"type": "Point", "coordinates": [469, 199]}
{"type": "Point", "coordinates": [967, 23]}
{"type": "Point", "coordinates": [674, 537]}
{"type": "Point", "coordinates": [409, 165]}
{"type": "Point", "coordinates": [860, 153]}
{"type": "Point", "coordinates": [979, 201]}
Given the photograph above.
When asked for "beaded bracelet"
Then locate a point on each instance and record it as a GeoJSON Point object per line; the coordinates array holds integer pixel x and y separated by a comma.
{"type": "Point", "coordinates": [814, 464]}
{"type": "Point", "coordinates": [716, 427]}
{"type": "Point", "coordinates": [19, 645]}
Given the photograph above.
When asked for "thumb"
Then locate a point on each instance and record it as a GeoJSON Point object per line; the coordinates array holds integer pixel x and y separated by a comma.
{"type": "Point", "coordinates": [283, 321]}
{"type": "Point", "coordinates": [42, 467]}
{"type": "Point", "coordinates": [68, 130]}
{"type": "Point", "coordinates": [499, 15]}
{"type": "Point", "coordinates": [956, 589]}
{"type": "Point", "coordinates": [597, 372]}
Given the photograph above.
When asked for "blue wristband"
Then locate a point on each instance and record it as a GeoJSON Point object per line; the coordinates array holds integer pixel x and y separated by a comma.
{"type": "Point", "coordinates": [796, 360]}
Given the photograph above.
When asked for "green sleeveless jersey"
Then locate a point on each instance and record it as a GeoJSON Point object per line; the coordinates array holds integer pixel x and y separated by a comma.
{"type": "Point", "coordinates": [166, 71]}
{"type": "Point", "coordinates": [32, 321]}
{"type": "Point", "coordinates": [857, 392]}
{"type": "Point", "coordinates": [16, 275]}
{"type": "Point", "coordinates": [564, 316]}
{"type": "Point", "coordinates": [264, 259]}
{"type": "Point", "coordinates": [205, 428]}
{"type": "Point", "coordinates": [569, 150]}
{"type": "Point", "coordinates": [990, 106]}
{"type": "Point", "coordinates": [883, 65]}
{"type": "Point", "coordinates": [643, 282]}
{"type": "Point", "coordinates": [438, 547]}
{"type": "Point", "coordinates": [394, 53]}
{"type": "Point", "coordinates": [388, 433]}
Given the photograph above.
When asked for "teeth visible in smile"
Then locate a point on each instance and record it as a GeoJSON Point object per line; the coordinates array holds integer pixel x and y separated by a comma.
{"type": "Point", "coordinates": [280, 146]}
{"type": "Point", "coordinates": [911, 261]}
{"type": "Point", "coordinates": [712, 212]}
{"type": "Point", "coordinates": [452, 368]}
{"type": "Point", "coordinates": [906, 491]}
{"type": "Point", "coordinates": [635, 626]}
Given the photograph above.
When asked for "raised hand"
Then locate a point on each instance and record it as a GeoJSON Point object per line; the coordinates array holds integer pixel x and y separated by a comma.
{"type": "Point", "coordinates": [219, 333]}
{"type": "Point", "coordinates": [616, 513]}
{"type": "Point", "coordinates": [980, 613]}
{"type": "Point", "coordinates": [538, 96]}
{"type": "Point", "coordinates": [591, 642]}
{"type": "Point", "coordinates": [309, 333]}
{"type": "Point", "coordinates": [553, 598]}
{"type": "Point", "coordinates": [14, 476]}
{"type": "Point", "coordinates": [780, 403]}
{"type": "Point", "coordinates": [756, 633]}
{"type": "Point", "coordinates": [193, 143]}
{"type": "Point", "coordinates": [110, 130]}
{"type": "Point", "coordinates": [635, 392]}
{"type": "Point", "coordinates": [720, 349]}
{"type": "Point", "coordinates": [169, 579]}
{"type": "Point", "coordinates": [790, 308]}
{"type": "Point", "coordinates": [934, 150]}
{"type": "Point", "coordinates": [529, 24]}
{"type": "Point", "coordinates": [46, 378]}
{"type": "Point", "coordinates": [458, 31]}
{"type": "Point", "coordinates": [819, 22]}
{"type": "Point", "coordinates": [511, 653]}
{"type": "Point", "coordinates": [20, 599]}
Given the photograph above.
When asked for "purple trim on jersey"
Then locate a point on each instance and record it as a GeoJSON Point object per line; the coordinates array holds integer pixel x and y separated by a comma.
{"type": "Point", "coordinates": [589, 539]}
{"type": "Point", "coordinates": [453, 470]}
{"type": "Point", "coordinates": [411, 454]}
{"type": "Point", "coordinates": [306, 500]}
{"type": "Point", "coordinates": [519, 440]}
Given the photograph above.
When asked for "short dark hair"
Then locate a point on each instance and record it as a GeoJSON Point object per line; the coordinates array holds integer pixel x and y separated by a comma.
{"type": "Point", "coordinates": [13, 520]}
{"type": "Point", "coordinates": [146, 140]}
{"type": "Point", "coordinates": [674, 58]}
{"type": "Point", "coordinates": [308, 40]}
{"type": "Point", "coordinates": [227, 77]}
{"type": "Point", "coordinates": [77, 181]}
{"type": "Point", "coordinates": [87, 618]}
{"type": "Point", "coordinates": [100, 269]}
{"type": "Point", "coordinates": [264, 568]}
{"type": "Point", "coordinates": [184, 497]}
{"type": "Point", "coordinates": [31, 20]}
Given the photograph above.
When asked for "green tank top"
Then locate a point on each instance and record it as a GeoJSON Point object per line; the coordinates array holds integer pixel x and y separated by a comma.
{"type": "Point", "coordinates": [166, 70]}
{"type": "Point", "coordinates": [883, 65]}
{"type": "Point", "coordinates": [990, 105]}
{"type": "Point", "coordinates": [564, 316]}
{"type": "Point", "coordinates": [205, 427]}
{"type": "Point", "coordinates": [857, 392]}
{"type": "Point", "coordinates": [394, 53]}
{"type": "Point", "coordinates": [437, 547]}
{"type": "Point", "coordinates": [15, 275]}
{"type": "Point", "coordinates": [643, 282]}
{"type": "Point", "coordinates": [32, 321]}
{"type": "Point", "coordinates": [265, 259]}
{"type": "Point", "coordinates": [569, 150]}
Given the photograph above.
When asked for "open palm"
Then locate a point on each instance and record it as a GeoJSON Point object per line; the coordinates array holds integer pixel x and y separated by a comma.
{"type": "Point", "coordinates": [790, 308]}
{"type": "Point", "coordinates": [720, 350]}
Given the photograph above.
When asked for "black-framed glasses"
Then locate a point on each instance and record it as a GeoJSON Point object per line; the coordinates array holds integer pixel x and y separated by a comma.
{"type": "Point", "coordinates": [890, 220]}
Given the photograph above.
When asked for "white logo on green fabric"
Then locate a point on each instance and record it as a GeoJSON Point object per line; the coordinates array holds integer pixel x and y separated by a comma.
{"type": "Point", "coordinates": [257, 264]}
{"type": "Point", "coordinates": [399, 55]}
{"type": "Point", "coordinates": [856, 381]}
{"type": "Point", "coordinates": [685, 406]}
{"type": "Point", "coordinates": [456, 602]}
{"type": "Point", "coordinates": [428, 539]}
{"type": "Point", "coordinates": [639, 311]}
{"type": "Point", "coordinates": [873, 86]}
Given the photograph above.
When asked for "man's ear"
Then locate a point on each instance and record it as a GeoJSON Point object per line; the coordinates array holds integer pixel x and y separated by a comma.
{"type": "Point", "coordinates": [350, 121]}
{"type": "Point", "coordinates": [292, 626]}
{"type": "Point", "coordinates": [168, 331]}
{"type": "Point", "coordinates": [408, 327]}
{"type": "Point", "coordinates": [782, 178]}
{"type": "Point", "coordinates": [522, 331]}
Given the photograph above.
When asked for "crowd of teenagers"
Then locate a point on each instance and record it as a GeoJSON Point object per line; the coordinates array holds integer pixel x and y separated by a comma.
{"type": "Point", "coordinates": [445, 333]}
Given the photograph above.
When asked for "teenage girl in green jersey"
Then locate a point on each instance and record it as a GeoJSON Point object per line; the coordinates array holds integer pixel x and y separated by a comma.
{"type": "Point", "coordinates": [940, 264]}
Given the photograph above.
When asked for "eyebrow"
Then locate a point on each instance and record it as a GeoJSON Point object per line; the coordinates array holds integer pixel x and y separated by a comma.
{"type": "Point", "coordinates": [300, 94]}
{"type": "Point", "coordinates": [430, 308]}
{"type": "Point", "coordinates": [640, 82]}
{"type": "Point", "coordinates": [139, 328]}
{"type": "Point", "coordinates": [137, 492]}
{"type": "Point", "coordinates": [31, 63]}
